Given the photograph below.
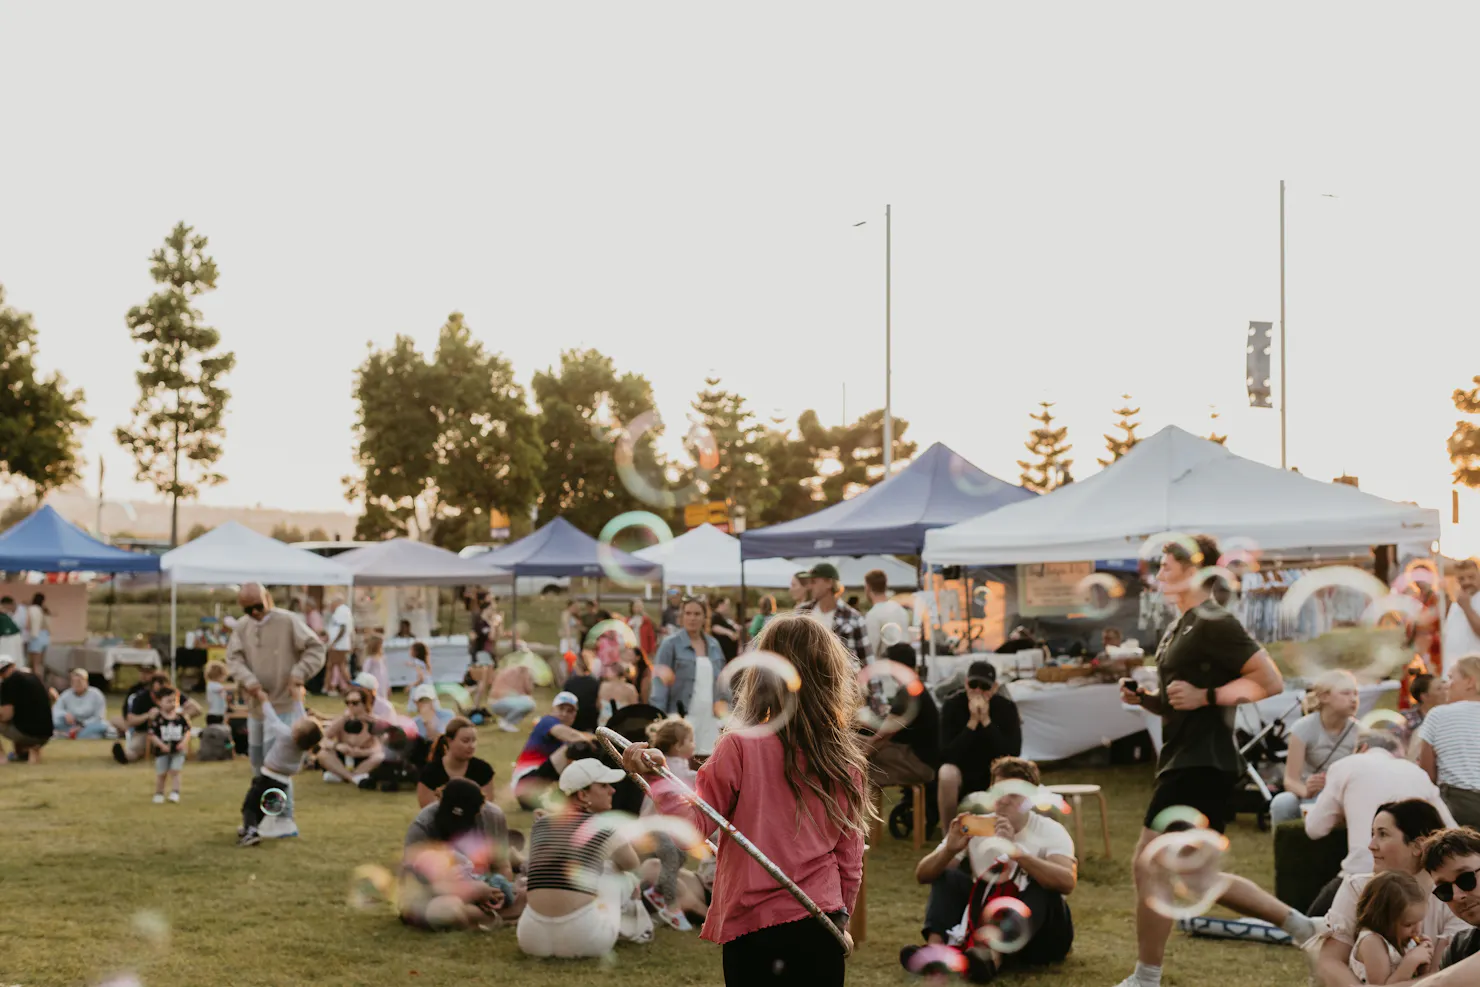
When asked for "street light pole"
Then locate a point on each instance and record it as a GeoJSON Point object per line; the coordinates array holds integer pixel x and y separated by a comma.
{"type": "Point", "coordinates": [1284, 392]}
{"type": "Point", "coordinates": [889, 341]}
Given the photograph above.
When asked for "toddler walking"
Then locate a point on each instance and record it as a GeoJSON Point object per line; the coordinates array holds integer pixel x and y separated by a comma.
{"type": "Point", "coordinates": [285, 749]}
{"type": "Point", "coordinates": [169, 734]}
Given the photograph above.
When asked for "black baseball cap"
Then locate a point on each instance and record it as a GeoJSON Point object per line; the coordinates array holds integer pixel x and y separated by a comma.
{"type": "Point", "coordinates": [822, 570]}
{"type": "Point", "coordinates": [982, 671]}
{"type": "Point", "coordinates": [461, 802]}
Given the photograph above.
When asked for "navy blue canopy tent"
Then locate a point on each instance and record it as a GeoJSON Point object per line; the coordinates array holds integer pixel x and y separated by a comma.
{"type": "Point", "coordinates": [48, 542]}
{"type": "Point", "coordinates": [559, 549]}
{"type": "Point", "coordinates": [939, 488]}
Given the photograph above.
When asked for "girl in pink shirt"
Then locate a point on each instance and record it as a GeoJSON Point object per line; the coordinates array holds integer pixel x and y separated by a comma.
{"type": "Point", "coordinates": [797, 792]}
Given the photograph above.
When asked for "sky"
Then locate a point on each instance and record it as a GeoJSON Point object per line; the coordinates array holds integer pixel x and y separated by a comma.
{"type": "Point", "coordinates": [1085, 203]}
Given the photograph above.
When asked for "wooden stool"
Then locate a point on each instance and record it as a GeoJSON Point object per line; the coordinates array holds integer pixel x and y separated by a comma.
{"type": "Point", "coordinates": [1076, 794]}
{"type": "Point", "coordinates": [917, 809]}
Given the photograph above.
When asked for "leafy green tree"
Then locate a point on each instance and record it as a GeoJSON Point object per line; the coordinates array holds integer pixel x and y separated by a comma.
{"type": "Point", "coordinates": [1047, 443]}
{"type": "Point", "coordinates": [17, 511]}
{"type": "Point", "coordinates": [858, 450]}
{"type": "Point", "coordinates": [39, 417]}
{"type": "Point", "coordinates": [198, 529]}
{"type": "Point", "coordinates": [734, 468]}
{"type": "Point", "coordinates": [317, 534]}
{"type": "Point", "coordinates": [176, 434]}
{"type": "Point", "coordinates": [441, 442]}
{"type": "Point", "coordinates": [585, 408]}
{"type": "Point", "coordinates": [285, 532]}
{"type": "Point", "coordinates": [1119, 445]}
{"type": "Point", "coordinates": [791, 481]}
{"type": "Point", "coordinates": [1464, 441]}
{"type": "Point", "coordinates": [820, 465]}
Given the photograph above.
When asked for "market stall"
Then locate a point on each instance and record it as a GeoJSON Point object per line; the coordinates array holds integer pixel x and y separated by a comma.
{"type": "Point", "coordinates": [706, 556]}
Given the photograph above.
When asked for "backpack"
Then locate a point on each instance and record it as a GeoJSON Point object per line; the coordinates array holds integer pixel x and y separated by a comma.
{"type": "Point", "coordinates": [215, 743]}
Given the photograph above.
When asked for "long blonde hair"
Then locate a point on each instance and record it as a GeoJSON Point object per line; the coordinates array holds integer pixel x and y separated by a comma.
{"type": "Point", "coordinates": [1324, 685]}
{"type": "Point", "coordinates": [825, 755]}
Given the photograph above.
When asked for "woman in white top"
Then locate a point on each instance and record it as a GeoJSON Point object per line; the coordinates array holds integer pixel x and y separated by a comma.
{"type": "Point", "coordinates": [686, 674]}
{"type": "Point", "coordinates": [1447, 743]}
{"type": "Point", "coordinates": [1326, 734]}
{"type": "Point", "coordinates": [38, 633]}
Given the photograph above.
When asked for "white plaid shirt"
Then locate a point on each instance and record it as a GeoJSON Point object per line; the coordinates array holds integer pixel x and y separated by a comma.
{"type": "Point", "coordinates": [848, 624]}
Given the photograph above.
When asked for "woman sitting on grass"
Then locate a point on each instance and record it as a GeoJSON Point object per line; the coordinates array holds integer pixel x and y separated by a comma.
{"type": "Point", "coordinates": [453, 757]}
{"type": "Point", "coordinates": [350, 738]}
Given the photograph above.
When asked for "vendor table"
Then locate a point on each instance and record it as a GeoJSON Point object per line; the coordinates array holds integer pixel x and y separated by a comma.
{"type": "Point", "coordinates": [449, 659]}
{"type": "Point", "coordinates": [63, 658]}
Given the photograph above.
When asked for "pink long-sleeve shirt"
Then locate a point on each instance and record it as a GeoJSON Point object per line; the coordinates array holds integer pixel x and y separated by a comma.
{"type": "Point", "coordinates": [745, 780]}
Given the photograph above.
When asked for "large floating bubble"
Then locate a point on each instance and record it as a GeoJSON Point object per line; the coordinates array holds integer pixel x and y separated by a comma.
{"type": "Point", "coordinates": [1184, 872]}
{"type": "Point", "coordinates": [606, 553]}
{"type": "Point", "coordinates": [891, 691]}
{"type": "Point", "coordinates": [1098, 595]}
{"type": "Point", "coordinates": [1367, 635]}
{"type": "Point", "coordinates": [771, 679]}
{"type": "Point", "coordinates": [1005, 926]}
{"type": "Point", "coordinates": [274, 801]}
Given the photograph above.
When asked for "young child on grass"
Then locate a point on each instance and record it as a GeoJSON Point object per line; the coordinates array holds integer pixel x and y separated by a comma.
{"type": "Point", "coordinates": [217, 704]}
{"type": "Point", "coordinates": [169, 736]}
{"type": "Point", "coordinates": [1390, 948]}
{"type": "Point", "coordinates": [286, 747]}
{"type": "Point", "coordinates": [675, 738]}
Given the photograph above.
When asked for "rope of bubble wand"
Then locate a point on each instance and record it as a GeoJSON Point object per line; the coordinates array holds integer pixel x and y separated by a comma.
{"type": "Point", "coordinates": [612, 739]}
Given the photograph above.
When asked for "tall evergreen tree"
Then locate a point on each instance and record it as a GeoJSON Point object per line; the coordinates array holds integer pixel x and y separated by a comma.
{"type": "Point", "coordinates": [1464, 441]}
{"type": "Point", "coordinates": [738, 470]}
{"type": "Point", "coordinates": [175, 438]}
{"type": "Point", "coordinates": [1119, 445]}
{"type": "Point", "coordinates": [1047, 443]}
{"type": "Point", "coordinates": [39, 417]}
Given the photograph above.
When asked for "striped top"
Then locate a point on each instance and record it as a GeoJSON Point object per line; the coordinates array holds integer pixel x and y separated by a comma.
{"type": "Point", "coordinates": [567, 850]}
{"type": "Point", "coordinates": [1451, 730]}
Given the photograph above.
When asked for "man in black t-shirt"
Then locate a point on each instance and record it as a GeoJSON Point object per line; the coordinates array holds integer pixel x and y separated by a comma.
{"type": "Point", "coordinates": [905, 750]}
{"type": "Point", "coordinates": [138, 709]}
{"type": "Point", "coordinates": [25, 710]}
{"type": "Point", "coordinates": [977, 727]}
{"type": "Point", "coordinates": [1206, 665]}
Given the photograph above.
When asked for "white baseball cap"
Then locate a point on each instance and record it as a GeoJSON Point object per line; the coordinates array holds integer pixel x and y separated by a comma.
{"type": "Point", "coordinates": [565, 699]}
{"type": "Point", "coordinates": [424, 691]}
{"type": "Point", "coordinates": [582, 774]}
{"type": "Point", "coordinates": [367, 681]}
{"type": "Point", "coordinates": [6, 660]}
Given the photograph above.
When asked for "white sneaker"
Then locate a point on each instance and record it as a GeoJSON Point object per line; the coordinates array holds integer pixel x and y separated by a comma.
{"type": "Point", "coordinates": [359, 778]}
{"type": "Point", "coordinates": [174, 796]}
{"type": "Point", "coordinates": [158, 798]}
{"type": "Point", "coordinates": [506, 726]}
{"type": "Point", "coordinates": [1131, 981]}
{"type": "Point", "coordinates": [332, 778]}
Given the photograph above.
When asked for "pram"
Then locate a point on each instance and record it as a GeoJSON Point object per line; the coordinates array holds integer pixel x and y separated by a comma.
{"type": "Point", "coordinates": [1264, 748]}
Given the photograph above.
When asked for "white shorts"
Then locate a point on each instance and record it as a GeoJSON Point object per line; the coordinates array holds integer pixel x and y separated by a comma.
{"type": "Point", "coordinates": [592, 931]}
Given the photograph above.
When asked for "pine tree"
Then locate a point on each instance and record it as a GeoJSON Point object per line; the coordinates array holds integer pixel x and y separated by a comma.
{"type": "Point", "coordinates": [1213, 435]}
{"type": "Point", "coordinates": [40, 419]}
{"type": "Point", "coordinates": [1047, 443]}
{"type": "Point", "coordinates": [1120, 445]}
{"type": "Point", "coordinates": [1464, 442]}
{"type": "Point", "coordinates": [730, 467]}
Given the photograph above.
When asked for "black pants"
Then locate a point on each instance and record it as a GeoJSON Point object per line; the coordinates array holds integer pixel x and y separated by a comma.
{"type": "Point", "coordinates": [252, 814]}
{"type": "Point", "coordinates": [1325, 899]}
{"type": "Point", "coordinates": [213, 718]}
{"type": "Point", "coordinates": [800, 953]}
{"type": "Point", "coordinates": [1052, 924]}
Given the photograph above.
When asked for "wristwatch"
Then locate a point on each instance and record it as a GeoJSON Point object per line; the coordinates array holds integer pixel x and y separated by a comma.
{"type": "Point", "coordinates": [1212, 696]}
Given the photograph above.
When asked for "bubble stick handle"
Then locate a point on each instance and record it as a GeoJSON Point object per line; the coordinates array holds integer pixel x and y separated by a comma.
{"type": "Point", "coordinates": [616, 742]}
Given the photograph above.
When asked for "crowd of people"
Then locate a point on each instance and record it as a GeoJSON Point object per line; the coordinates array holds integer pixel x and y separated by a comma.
{"type": "Point", "coordinates": [1405, 903]}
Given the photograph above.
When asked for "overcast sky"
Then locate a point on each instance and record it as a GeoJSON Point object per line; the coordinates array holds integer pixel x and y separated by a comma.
{"type": "Point", "coordinates": [1085, 200]}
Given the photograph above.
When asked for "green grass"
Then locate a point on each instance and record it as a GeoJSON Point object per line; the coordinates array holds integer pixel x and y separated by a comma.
{"type": "Point", "coordinates": [85, 851]}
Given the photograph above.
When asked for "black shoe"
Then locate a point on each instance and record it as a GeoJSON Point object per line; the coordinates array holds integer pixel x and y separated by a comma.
{"type": "Point", "coordinates": [249, 838]}
{"type": "Point", "coordinates": [979, 969]}
{"type": "Point", "coordinates": [906, 954]}
{"type": "Point", "coordinates": [367, 785]}
{"type": "Point", "coordinates": [119, 755]}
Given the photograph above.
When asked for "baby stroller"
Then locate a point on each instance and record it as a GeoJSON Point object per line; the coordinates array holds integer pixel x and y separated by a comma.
{"type": "Point", "coordinates": [1264, 747]}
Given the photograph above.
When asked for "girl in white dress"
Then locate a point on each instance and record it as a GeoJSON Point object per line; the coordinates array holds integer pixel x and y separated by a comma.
{"type": "Point", "coordinates": [1390, 948]}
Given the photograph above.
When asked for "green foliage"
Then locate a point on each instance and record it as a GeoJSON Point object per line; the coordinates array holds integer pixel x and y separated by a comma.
{"type": "Point", "coordinates": [1464, 441]}
{"type": "Point", "coordinates": [39, 418]}
{"type": "Point", "coordinates": [177, 431]}
{"type": "Point", "coordinates": [791, 487]}
{"type": "Point", "coordinates": [582, 407]}
{"type": "Point", "coordinates": [198, 529]}
{"type": "Point", "coordinates": [288, 533]}
{"type": "Point", "coordinates": [739, 471]}
{"type": "Point", "coordinates": [317, 534]}
{"type": "Point", "coordinates": [858, 451]}
{"type": "Point", "coordinates": [822, 465]}
{"type": "Point", "coordinates": [439, 442]}
{"type": "Point", "coordinates": [1119, 445]}
{"type": "Point", "coordinates": [1047, 443]}
{"type": "Point", "coordinates": [17, 511]}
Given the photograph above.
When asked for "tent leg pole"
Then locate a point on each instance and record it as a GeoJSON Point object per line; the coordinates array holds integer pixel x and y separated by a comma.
{"type": "Point", "coordinates": [174, 621]}
{"type": "Point", "coordinates": [112, 600]}
{"type": "Point", "coordinates": [741, 608]}
{"type": "Point", "coordinates": [598, 592]}
{"type": "Point", "coordinates": [1438, 556]}
{"type": "Point", "coordinates": [970, 601]}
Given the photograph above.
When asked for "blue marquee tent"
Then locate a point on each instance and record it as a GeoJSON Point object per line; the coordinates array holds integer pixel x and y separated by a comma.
{"type": "Point", "coordinates": [559, 549]}
{"type": "Point", "coordinates": [48, 542]}
{"type": "Point", "coordinates": [939, 488]}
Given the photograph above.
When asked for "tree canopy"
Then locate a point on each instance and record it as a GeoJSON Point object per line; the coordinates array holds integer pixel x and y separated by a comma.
{"type": "Point", "coordinates": [40, 418]}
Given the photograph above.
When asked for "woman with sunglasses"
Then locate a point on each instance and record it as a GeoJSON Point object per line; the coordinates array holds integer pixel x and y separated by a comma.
{"type": "Point", "coordinates": [686, 674]}
{"type": "Point", "coordinates": [1399, 831]}
{"type": "Point", "coordinates": [351, 736]}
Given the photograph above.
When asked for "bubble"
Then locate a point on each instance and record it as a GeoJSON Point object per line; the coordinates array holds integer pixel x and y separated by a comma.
{"type": "Point", "coordinates": [1006, 925]}
{"type": "Point", "coordinates": [969, 480]}
{"type": "Point", "coordinates": [1223, 587]}
{"type": "Point", "coordinates": [992, 858]}
{"type": "Point", "coordinates": [937, 959]}
{"type": "Point", "coordinates": [1182, 817]}
{"type": "Point", "coordinates": [1037, 796]}
{"type": "Point", "coordinates": [770, 680]}
{"type": "Point", "coordinates": [455, 692]}
{"type": "Point", "coordinates": [980, 595]}
{"type": "Point", "coordinates": [370, 886]}
{"type": "Point", "coordinates": [1152, 549]}
{"type": "Point", "coordinates": [152, 925]}
{"type": "Point", "coordinates": [890, 691]}
{"type": "Point", "coordinates": [642, 835]}
{"type": "Point", "coordinates": [702, 445]}
{"type": "Point", "coordinates": [606, 553]}
{"type": "Point", "coordinates": [1098, 595]}
{"type": "Point", "coordinates": [625, 635]}
{"type": "Point", "coordinates": [1384, 719]}
{"type": "Point", "coordinates": [664, 674]}
{"type": "Point", "coordinates": [1367, 637]}
{"type": "Point", "coordinates": [1241, 556]}
{"type": "Point", "coordinates": [638, 485]}
{"type": "Point", "coordinates": [1184, 872]}
{"type": "Point", "coordinates": [274, 801]}
{"type": "Point", "coordinates": [891, 634]}
{"type": "Point", "coordinates": [476, 849]}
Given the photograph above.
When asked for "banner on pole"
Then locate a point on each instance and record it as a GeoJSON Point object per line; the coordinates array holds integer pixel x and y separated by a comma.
{"type": "Point", "coordinates": [1256, 364]}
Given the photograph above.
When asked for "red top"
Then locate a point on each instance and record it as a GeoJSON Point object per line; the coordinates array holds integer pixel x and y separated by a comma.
{"type": "Point", "coordinates": [745, 781]}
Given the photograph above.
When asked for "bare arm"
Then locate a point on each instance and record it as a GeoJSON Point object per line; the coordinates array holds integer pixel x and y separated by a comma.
{"type": "Point", "coordinates": [625, 858]}
{"type": "Point", "coordinates": [939, 860]}
{"type": "Point", "coordinates": [1056, 873]}
{"type": "Point", "coordinates": [1332, 966]}
{"type": "Point", "coordinates": [310, 651]}
{"type": "Point", "coordinates": [1372, 951]}
{"type": "Point", "coordinates": [1428, 761]}
{"type": "Point", "coordinates": [568, 735]}
{"type": "Point", "coordinates": [1294, 759]}
{"type": "Point", "coordinates": [1258, 679]}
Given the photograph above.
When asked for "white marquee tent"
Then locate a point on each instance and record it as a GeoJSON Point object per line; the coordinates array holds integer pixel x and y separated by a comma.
{"type": "Point", "coordinates": [234, 553]}
{"type": "Point", "coordinates": [1175, 481]}
{"type": "Point", "coordinates": [851, 571]}
{"type": "Point", "coordinates": [706, 556]}
{"type": "Point", "coordinates": [403, 562]}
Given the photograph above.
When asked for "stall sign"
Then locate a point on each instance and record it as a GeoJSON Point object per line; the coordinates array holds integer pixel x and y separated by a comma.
{"type": "Point", "coordinates": [1048, 588]}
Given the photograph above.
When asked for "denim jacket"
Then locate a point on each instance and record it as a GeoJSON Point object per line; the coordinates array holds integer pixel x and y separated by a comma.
{"type": "Point", "coordinates": [677, 652]}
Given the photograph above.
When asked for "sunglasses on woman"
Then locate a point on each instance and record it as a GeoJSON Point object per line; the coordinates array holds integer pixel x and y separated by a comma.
{"type": "Point", "coordinates": [1444, 890]}
{"type": "Point", "coordinates": [354, 702]}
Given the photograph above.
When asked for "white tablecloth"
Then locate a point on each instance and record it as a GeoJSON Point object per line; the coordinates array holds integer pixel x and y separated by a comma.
{"type": "Point", "coordinates": [1062, 719]}
{"type": "Point", "coordinates": [62, 658]}
{"type": "Point", "coordinates": [449, 659]}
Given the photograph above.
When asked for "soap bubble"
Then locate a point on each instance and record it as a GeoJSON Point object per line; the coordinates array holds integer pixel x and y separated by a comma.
{"type": "Point", "coordinates": [1098, 595]}
{"type": "Point", "coordinates": [1241, 555]}
{"type": "Point", "coordinates": [1370, 646]}
{"type": "Point", "coordinates": [1177, 818]}
{"type": "Point", "coordinates": [642, 834]}
{"type": "Point", "coordinates": [702, 445]}
{"type": "Point", "coordinates": [645, 490]}
{"type": "Point", "coordinates": [771, 680]}
{"type": "Point", "coordinates": [1223, 588]}
{"type": "Point", "coordinates": [1006, 925]}
{"type": "Point", "coordinates": [626, 636]}
{"type": "Point", "coordinates": [370, 885]}
{"type": "Point", "coordinates": [991, 856]}
{"type": "Point", "coordinates": [456, 692]}
{"type": "Point", "coordinates": [1384, 719]}
{"type": "Point", "coordinates": [891, 634]}
{"type": "Point", "coordinates": [890, 690]}
{"type": "Point", "coordinates": [274, 801]}
{"type": "Point", "coordinates": [606, 552]}
{"type": "Point", "coordinates": [1037, 796]}
{"type": "Point", "coordinates": [937, 959]}
{"type": "Point", "coordinates": [1150, 554]}
{"type": "Point", "coordinates": [152, 925]}
{"type": "Point", "coordinates": [1184, 872]}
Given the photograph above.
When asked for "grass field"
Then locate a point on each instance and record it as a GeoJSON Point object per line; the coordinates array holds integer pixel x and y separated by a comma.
{"type": "Point", "coordinates": [85, 853]}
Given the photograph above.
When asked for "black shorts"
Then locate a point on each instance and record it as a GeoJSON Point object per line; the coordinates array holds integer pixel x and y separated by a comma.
{"type": "Point", "coordinates": [1207, 790]}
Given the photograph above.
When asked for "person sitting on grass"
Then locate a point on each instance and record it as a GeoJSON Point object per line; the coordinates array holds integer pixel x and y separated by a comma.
{"type": "Point", "coordinates": [616, 690]}
{"type": "Point", "coordinates": [1390, 946]}
{"type": "Point", "coordinates": [480, 880]}
{"type": "Point", "coordinates": [430, 719]}
{"type": "Point", "coordinates": [549, 734]}
{"type": "Point", "coordinates": [25, 711]}
{"type": "Point", "coordinates": [81, 711]}
{"type": "Point", "coordinates": [351, 737]}
{"type": "Point", "coordinates": [964, 875]}
{"type": "Point", "coordinates": [378, 706]}
{"type": "Point", "coordinates": [511, 699]}
{"type": "Point", "coordinates": [453, 757]}
{"type": "Point", "coordinates": [139, 707]}
{"type": "Point", "coordinates": [169, 737]}
{"type": "Point", "coordinates": [574, 908]}
{"type": "Point", "coordinates": [284, 749]}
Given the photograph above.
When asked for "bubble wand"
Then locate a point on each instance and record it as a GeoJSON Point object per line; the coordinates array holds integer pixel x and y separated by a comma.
{"type": "Point", "coordinates": [616, 743]}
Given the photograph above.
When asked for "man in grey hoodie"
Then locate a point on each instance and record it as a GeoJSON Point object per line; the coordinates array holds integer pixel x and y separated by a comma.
{"type": "Point", "coordinates": [270, 652]}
